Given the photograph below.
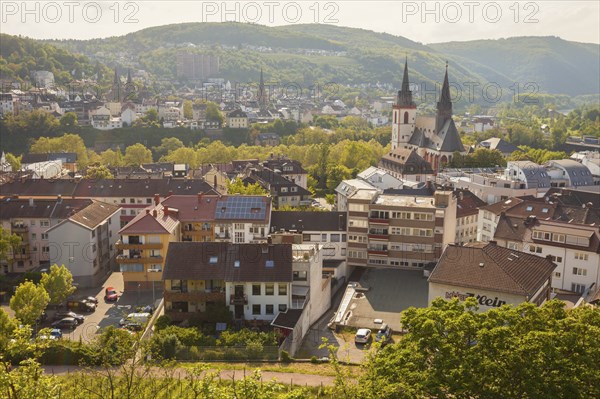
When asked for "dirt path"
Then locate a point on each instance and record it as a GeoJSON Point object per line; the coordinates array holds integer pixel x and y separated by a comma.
{"type": "Point", "coordinates": [301, 379]}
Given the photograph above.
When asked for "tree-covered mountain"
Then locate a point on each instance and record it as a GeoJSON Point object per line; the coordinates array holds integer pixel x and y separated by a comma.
{"type": "Point", "coordinates": [20, 56]}
{"type": "Point", "coordinates": [309, 53]}
{"type": "Point", "coordinates": [554, 64]}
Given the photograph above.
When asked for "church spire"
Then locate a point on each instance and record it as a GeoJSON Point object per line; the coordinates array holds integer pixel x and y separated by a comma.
{"type": "Point", "coordinates": [129, 80]}
{"type": "Point", "coordinates": [404, 98]}
{"type": "Point", "coordinates": [444, 105]}
{"type": "Point", "coordinates": [262, 94]}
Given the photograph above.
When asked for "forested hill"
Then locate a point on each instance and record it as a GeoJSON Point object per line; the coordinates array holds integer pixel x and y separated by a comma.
{"type": "Point", "coordinates": [309, 53]}
{"type": "Point", "coordinates": [20, 56]}
{"type": "Point", "coordinates": [556, 65]}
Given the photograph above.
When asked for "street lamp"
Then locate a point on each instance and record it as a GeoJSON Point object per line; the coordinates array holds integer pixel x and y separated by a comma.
{"type": "Point", "coordinates": [153, 298]}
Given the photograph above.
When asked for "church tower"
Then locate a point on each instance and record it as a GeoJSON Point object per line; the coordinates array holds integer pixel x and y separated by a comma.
{"type": "Point", "coordinates": [116, 88]}
{"type": "Point", "coordinates": [444, 105]}
{"type": "Point", "coordinates": [404, 114]}
{"type": "Point", "coordinates": [262, 93]}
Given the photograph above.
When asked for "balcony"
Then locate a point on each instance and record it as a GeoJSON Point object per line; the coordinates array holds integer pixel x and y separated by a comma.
{"type": "Point", "coordinates": [222, 236]}
{"type": "Point", "coordinates": [196, 233]}
{"type": "Point", "coordinates": [195, 296]}
{"type": "Point", "coordinates": [381, 252]}
{"type": "Point", "coordinates": [238, 299]}
{"type": "Point", "coordinates": [139, 259]}
{"type": "Point", "coordinates": [156, 245]}
{"type": "Point", "coordinates": [379, 236]}
{"type": "Point", "coordinates": [25, 256]}
{"type": "Point", "coordinates": [19, 228]}
{"type": "Point", "coordinates": [378, 220]}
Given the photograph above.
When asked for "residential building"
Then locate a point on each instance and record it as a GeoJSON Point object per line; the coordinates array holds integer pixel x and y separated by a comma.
{"type": "Point", "coordinates": [347, 188]}
{"type": "Point", "coordinates": [327, 229]}
{"type": "Point", "coordinates": [569, 173]}
{"type": "Point", "coordinates": [133, 195]}
{"type": "Point", "coordinates": [254, 281]}
{"type": "Point", "coordinates": [467, 216]}
{"type": "Point", "coordinates": [406, 164]}
{"type": "Point", "coordinates": [237, 119]}
{"type": "Point", "coordinates": [405, 228]}
{"type": "Point", "coordinates": [31, 218]}
{"type": "Point", "coordinates": [493, 275]}
{"type": "Point", "coordinates": [267, 139]}
{"type": "Point", "coordinates": [144, 242]}
{"type": "Point", "coordinates": [380, 178]}
{"type": "Point", "coordinates": [88, 240]}
{"type": "Point", "coordinates": [283, 191]}
{"type": "Point", "coordinates": [288, 168]}
{"type": "Point", "coordinates": [500, 145]}
{"type": "Point", "coordinates": [68, 159]}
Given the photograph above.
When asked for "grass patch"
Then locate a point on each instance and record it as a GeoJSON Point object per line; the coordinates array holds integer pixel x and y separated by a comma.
{"type": "Point", "coordinates": [323, 369]}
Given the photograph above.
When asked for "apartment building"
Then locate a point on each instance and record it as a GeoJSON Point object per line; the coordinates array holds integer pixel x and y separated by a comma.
{"type": "Point", "coordinates": [400, 228]}
{"type": "Point", "coordinates": [31, 218]}
{"type": "Point", "coordinates": [88, 240]}
{"type": "Point", "coordinates": [467, 216]}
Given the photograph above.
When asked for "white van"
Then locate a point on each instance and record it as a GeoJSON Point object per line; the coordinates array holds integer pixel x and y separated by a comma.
{"type": "Point", "coordinates": [137, 318]}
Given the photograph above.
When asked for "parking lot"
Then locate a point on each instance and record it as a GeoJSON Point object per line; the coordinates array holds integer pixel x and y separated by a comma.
{"type": "Point", "coordinates": [107, 313]}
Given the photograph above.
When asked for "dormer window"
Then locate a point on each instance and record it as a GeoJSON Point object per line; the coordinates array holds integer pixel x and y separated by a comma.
{"type": "Point", "coordinates": [269, 263]}
{"type": "Point", "coordinates": [213, 260]}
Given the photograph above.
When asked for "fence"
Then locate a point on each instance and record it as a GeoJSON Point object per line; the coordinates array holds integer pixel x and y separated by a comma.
{"type": "Point", "coordinates": [229, 353]}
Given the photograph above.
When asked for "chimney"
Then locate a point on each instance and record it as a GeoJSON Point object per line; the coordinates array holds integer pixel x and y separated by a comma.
{"type": "Point", "coordinates": [147, 211]}
{"type": "Point", "coordinates": [549, 258]}
{"type": "Point", "coordinates": [31, 202]}
{"type": "Point", "coordinates": [15, 196]}
{"type": "Point", "coordinates": [200, 195]}
{"type": "Point", "coordinates": [156, 199]}
{"type": "Point", "coordinates": [154, 213]}
{"type": "Point", "coordinates": [59, 198]}
{"type": "Point", "coordinates": [493, 242]}
{"type": "Point", "coordinates": [166, 210]}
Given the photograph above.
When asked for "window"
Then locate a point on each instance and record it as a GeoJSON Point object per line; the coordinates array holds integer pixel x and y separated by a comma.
{"type": "Point", "coordinates": [512, 245]}
{"type": "Point", "coordinates": [269, 289]}
{"type": "Point", "coordinates": [213, 260]}
{"type": "Point", "coordinates": [529, 208]}
{"type": "Point", "coordinates": [282, 308]}
{"type": "Point", "coordinates": [239, 237]}
{"type": "Point", "coordinates": [132, 212]}
{"type": "Point", "coordinates": [148, 200]}
{"type": "Point", "coordinates": [556, 259]}
{"type": "Point", "coordinates": [580, 241]}
{"type": "Point", "coordinates": [236, 263]}
{"type": "Point", "coordinates": [44, 223]}
{"type": "Point", "coordinates": [284, 189]}
{"type": "Point", "coordinates": [578, 271]}
{"type": "Point", "coordinates": [335, 238]}
{"type": "Point", "coordinates": [282, 289]}
{"type": "Point", "coordinates": [123, 201]}
{"type": "Point", "coordinates": [294, 189]}
{"type": "Point", "coordinates": [581, 256]}
{"type": "Point", "coordinates": [558, 237]}
{"type": "Point", "coordinates": [579, 288]}
{"type": "Point", "coordinates": [44, 236]}
{"type": "Point", "coordinates": [255, 309]}
{"type": "Point", "coordinates": [93, 233]}
{"type": "Point", "coordinates": [300, 276]}
{"type": "Point", "coordinates": [557, 274]}
{"type": "Point", "coordinates": [269, 263]}
{"type": "Point", "coordinates": [535, 248]}
{"type": "Point", "coordinates": [33, 236]}
{"type": "Point", "coordinates": [256, 289]}
{"type": "Point", "coordinates": [123, 212]}
{"type": "Point", "coordinates": [132, 200]}
{"type": "Point", "coordinates": [269, 309]}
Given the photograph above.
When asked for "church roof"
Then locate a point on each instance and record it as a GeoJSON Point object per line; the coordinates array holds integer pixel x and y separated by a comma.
{"type": "Point", "coordinates": [451, 141]}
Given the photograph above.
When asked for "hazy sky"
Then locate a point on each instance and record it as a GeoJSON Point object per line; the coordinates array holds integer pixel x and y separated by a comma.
{"type": "Point", "coordinates": [426, 22]}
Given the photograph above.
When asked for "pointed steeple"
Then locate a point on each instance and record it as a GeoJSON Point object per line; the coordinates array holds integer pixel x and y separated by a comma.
{"type": "Point", "coordinates": [262, 94]}
{"type": "Point", "coordinates": [116, 77]}
{"type": "Point", "coordinates": [444, 105]}
{"type": "Point", "coordinates": [404, 98]}
{"type": "Point", "coordinates": [129, 80]}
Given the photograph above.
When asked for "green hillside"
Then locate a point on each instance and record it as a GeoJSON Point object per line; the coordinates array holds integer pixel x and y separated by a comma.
{"type": "Point", "coordinates": [309, 53]}
{"type": "Point", "coordinates": [19, 57]}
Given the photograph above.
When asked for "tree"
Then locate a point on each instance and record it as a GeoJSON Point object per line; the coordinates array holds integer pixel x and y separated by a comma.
{"type": "Point", "coordinates": [213, 113]}
{"type": "Point", "coordinates": [450, 351]}
{"type": "Point", "coordinates": [58, 283]}
{"type": "Point", "coordinates": [8, 242]}
{"type": "Point", "coordinates": [65, 143]}
{"type": "Point", "coordinates": [68, 120]}
{"type": "Point", "coordinates": [238, 187]}
{"type": "Point", "coordinates": [98, 172]}
{"type": "Point", "coordinates": [167, 145]}
{"type": "Point", "coordinates": [137, 154]}
{"type": "Point", "coordinates": [188, 111]}
{"type": "Point", "coordinates": [14, 161]}
{"type": "Point", "coordinates": [183, 155]}
{"type": "Point", "coordinates": [29, 302]}
{"type": "Point", "coordinates": [335, 175]}
{"type": "Point", "coordinates": [112, 158]}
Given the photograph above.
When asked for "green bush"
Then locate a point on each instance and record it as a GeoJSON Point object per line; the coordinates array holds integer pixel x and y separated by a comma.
{"type": "Point", "coordinates": [162, 322]}
{"type": "Point", "coordinates": [285, 357]}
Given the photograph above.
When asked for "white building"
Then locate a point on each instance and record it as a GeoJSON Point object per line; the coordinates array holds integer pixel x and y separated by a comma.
{"type": "Point", "coordinates": [45, 170]}
{"type": "Point", "coordinates": [88, 243]}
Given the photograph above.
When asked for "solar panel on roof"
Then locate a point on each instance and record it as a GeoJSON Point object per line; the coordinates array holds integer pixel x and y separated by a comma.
{"type": "Point", "coordinates": [237, 207]}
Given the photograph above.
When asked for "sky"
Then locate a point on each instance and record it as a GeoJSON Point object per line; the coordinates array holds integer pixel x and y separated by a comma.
{"type": "Point", "coordinates": [420, 21]}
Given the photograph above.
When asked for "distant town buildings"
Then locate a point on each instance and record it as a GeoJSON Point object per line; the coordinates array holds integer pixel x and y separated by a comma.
{"type": "Point", "coordinates": [196, 66]}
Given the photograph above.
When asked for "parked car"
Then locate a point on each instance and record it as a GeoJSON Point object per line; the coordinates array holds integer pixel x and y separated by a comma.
{"type": "Point", "coordinates": [110, 294]}
{"type": "Point", "coordinates": [139, 318]}
{"type": "Point", "coordinates": [362, 336]}
{"type": "Point", "coordinates": [55, 334]}
{"type": "Point", "coordinates": [81, 306]}
{"type": "Point", "coordinates": [67, 322]}
{"type": "Point", "coordinates": [91, 299]}
{"type": "Point", "coordinates": [384, 334]}
{"type": "Point", "coordinates": [133, 327]}
{"type": "Point", "coordinates": [62, 315]}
